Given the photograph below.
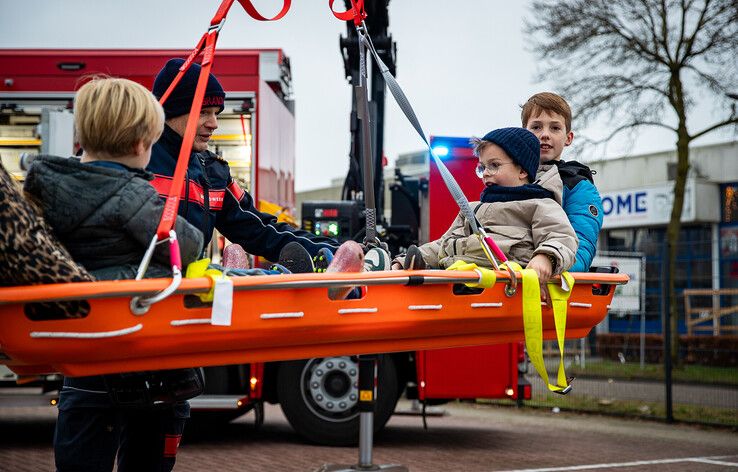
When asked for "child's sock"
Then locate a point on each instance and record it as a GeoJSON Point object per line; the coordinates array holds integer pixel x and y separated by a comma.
{"type": "Point", "coordinates": [348, 258]}
{"type": "Point", "coordinates": [234, 257]}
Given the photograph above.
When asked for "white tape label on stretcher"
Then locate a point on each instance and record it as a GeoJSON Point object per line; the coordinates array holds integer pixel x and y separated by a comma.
{"type": "Point", "coordinates": [222, 302]}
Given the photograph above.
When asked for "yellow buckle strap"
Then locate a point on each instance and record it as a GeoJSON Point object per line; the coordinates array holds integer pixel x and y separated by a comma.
{"type": "Point", "coordinates": [533, 323]}
{"type": "Point", "coordinates": [199, 268]}
{"type": "Point", "coordinates": [487, 277]}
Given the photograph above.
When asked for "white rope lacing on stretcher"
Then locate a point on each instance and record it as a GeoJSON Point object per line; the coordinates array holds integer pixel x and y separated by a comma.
{"type": "Point", "coordinates": [94, 335]}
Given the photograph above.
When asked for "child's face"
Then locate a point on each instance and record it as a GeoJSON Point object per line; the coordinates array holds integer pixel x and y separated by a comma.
{"type": "Point", "coordinates": [498, 169]}
{"type": "Point", "coordinates": [550, 129]}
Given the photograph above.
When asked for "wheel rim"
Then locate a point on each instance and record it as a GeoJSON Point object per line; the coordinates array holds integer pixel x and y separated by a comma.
{"type": "Point", "coordinates": [330, 387]}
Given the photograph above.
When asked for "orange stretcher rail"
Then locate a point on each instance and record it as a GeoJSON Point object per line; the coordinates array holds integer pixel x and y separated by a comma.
{"type": "Point", "coordinates": [275, 317]}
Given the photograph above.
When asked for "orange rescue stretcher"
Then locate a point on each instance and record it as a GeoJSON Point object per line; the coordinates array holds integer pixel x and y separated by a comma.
{"type": "Point", "coordinates": [275, 317]}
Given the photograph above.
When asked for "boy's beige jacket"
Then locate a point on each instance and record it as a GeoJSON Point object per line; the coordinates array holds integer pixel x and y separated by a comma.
{"type": "Point", "coordinates": [521, 229]}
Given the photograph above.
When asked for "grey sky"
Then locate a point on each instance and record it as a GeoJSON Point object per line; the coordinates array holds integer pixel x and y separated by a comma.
{"type": "Point", "coordinates": [464, 65]}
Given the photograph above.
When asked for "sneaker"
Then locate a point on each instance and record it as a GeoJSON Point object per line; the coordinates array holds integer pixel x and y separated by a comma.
{"type": "Point", "coordinates": [376, 259]}
{"type": "Point", "coordinates": [414, 259]}
{"type": "Point", "coordinates": [323, 259]}
{"type": "Point", "coordinates": [296, 258]}
{"type": "Point", "coordinates": [279, 269]}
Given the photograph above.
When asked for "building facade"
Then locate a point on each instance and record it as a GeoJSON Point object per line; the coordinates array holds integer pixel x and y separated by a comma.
{"type": "Point", "coordinates": [637, 194]}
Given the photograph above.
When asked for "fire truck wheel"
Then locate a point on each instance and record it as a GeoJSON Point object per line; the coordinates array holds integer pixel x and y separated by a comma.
{"type": "Point", "coordinates": [319, 397]}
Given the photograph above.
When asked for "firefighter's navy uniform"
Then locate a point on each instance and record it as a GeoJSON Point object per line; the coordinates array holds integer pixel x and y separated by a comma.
{"type": "Point", "coordinates": [212, 199]}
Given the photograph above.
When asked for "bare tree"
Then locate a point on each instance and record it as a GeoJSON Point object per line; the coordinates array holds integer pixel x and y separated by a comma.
{"type": "Point", "coordinates": [643, 63]}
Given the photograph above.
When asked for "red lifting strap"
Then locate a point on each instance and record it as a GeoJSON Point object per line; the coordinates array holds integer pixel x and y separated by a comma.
{"type": "Point", "coordinates": [357, 13]}
{"type": "Point", "coordinates": [206, 46]}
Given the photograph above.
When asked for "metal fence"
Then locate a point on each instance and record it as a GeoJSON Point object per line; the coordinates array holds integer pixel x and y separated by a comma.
{"type": "Point", "coordinates": [610, 378]}
{"type": "Point", "coordinates": [622, 370]}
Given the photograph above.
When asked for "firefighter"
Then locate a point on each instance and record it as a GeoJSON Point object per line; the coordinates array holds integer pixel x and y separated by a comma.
{"type": "Point", "coordinates": [212, 199]}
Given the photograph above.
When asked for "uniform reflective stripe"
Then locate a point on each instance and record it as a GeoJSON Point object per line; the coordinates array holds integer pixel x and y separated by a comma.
{"type": "Point", "coordinates": [195, 193]}
{"type": "Point", "coordinates": [171, 443]}
{"type": "Point", "coordinates": [236, 191]}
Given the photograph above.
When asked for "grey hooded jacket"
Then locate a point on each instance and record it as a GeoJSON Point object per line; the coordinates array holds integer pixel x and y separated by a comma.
{"type": "Point", "coordinates": [106, 216]}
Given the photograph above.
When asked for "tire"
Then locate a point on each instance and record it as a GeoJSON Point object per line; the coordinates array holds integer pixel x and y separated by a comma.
{"type": "Point", "coordinates": [333, 419]}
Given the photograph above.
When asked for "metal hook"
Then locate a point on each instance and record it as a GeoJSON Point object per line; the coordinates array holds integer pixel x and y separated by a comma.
{"type": "Point", "coordinates": [511, 287]}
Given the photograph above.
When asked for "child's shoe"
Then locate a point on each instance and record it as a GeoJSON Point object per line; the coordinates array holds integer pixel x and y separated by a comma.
{"type": "Point", "coordinates": [296, 258]}
{"type": "Point", "coordinates": [414, 259]}
{"type": "Point", "coordinates": [279, 269]}
{"type": "Point", "coordinates": [323, 259]}
{"type": "Point", "coordinates": [377, 258]}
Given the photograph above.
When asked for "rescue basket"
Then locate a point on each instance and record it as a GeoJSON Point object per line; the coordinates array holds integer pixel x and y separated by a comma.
{"type": "Point", "coordinates": [276, 317]}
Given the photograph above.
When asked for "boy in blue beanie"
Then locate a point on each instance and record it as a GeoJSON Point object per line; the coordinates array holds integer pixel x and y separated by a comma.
{"type": "Point", "coordinates": [524, 219]}
{"type": "Point", "coordinates": [548, 116]}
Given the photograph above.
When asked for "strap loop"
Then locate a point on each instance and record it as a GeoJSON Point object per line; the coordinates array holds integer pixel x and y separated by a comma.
{"type": "Point", "coordinates": [487, 278]}
{"type": "Point", "coordinates": [253, 13]}
{"type": "Point", "coordinates": [355, 14]}
{"type": "Point", "coordinates": [533, 324]}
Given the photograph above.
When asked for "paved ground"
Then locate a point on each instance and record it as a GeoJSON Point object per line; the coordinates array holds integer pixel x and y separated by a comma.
{"type": "Point", "coordinates": [470, 438]}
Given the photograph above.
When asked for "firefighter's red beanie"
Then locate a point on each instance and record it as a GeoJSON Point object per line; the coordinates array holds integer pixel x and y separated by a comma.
{"type": "Point", "coordinates": [179, 101]}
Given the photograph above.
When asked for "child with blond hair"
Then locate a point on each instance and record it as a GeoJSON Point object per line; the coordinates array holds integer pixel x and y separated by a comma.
{"type": "Point", "coordinates": [104, 210]}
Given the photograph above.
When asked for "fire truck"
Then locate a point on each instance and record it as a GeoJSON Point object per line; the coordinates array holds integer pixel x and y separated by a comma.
{"type": "Point", "coordinates": [256, 135]}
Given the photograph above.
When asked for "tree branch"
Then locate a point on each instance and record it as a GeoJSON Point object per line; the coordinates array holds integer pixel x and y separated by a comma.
{"type": "Point", "coordinates": [730, 121]}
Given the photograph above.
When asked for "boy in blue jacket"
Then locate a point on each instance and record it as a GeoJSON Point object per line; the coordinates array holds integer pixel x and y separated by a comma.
{"type": "Point", "coordinates": [548, 116]}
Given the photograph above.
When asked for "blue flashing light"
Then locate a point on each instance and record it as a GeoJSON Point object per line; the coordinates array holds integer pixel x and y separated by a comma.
{"type": "Point", "coordinates": [440, 151]}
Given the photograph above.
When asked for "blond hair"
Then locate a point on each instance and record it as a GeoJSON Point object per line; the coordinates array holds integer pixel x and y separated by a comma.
{"type": "Point", "coordinates": [478, 145]}
{"type": "Point", "coordinates": [112, 115]}
{"type": "Point", "coordinates": [548, 102]}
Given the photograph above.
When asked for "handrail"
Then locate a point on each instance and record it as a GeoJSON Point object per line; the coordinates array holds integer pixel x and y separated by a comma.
{"type": "Point", "coordinates": [129, 288]}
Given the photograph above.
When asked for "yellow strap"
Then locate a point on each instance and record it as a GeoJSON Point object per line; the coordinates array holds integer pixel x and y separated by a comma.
{"type": "Point", "coordinates": [560, 301]}
{"type": "Point", "coordinates": [487, 277]}
{"type": "Point", "coordinates": [199, 268]}
{"type": "Point", "coordinates": [533, 324]}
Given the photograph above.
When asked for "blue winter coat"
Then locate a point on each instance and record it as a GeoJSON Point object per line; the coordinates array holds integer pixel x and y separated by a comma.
{"type": "Point", "coordinates": [583, 205]}
{"type": "Point", "coordinates": [211, 199]}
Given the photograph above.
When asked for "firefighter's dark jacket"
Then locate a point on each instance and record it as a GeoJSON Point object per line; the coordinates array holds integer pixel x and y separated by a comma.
{"type": "Point", "coordinates": [211, 199]}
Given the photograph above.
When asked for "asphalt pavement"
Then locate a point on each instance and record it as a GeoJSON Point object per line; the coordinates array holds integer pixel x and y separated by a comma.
{"type": "Point", "coordinates": [469, 438]}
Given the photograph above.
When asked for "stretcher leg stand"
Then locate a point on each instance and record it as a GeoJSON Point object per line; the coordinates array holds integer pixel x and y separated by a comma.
{"type": "Point", "coordinates": [367, 397]}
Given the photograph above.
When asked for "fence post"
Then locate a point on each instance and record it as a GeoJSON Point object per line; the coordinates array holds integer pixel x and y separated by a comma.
{"type": "Point", "coordinates": [666, 317]}
{"type": "Point", "coordinates": [643, 312]}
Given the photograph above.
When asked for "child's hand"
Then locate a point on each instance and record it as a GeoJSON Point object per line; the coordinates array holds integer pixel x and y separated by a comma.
{"type": "Point", "coordinates": [543, 267]}
{"type": "Point", "coordinates": [396, 266]}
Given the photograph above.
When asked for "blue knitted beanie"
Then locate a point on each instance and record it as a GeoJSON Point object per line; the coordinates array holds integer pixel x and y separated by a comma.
{"type": "Point", "coordinates": [521, 145]}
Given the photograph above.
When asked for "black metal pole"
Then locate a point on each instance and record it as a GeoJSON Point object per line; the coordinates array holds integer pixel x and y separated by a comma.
{"type": "Point", "coordinates": [666, 310]}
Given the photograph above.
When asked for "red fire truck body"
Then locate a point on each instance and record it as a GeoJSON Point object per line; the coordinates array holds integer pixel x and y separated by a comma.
{"type": "Point", "coordinates": [255, 80]}
{"type": "Point", "coordinates": [257, 136]}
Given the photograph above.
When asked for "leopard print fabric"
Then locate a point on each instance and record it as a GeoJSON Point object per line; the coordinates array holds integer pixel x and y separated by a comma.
{"type": "Point", "coordinates": [31, 254]}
